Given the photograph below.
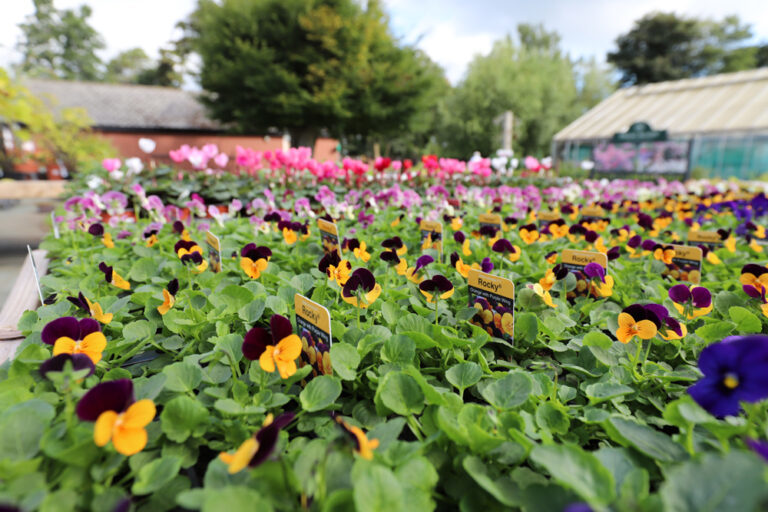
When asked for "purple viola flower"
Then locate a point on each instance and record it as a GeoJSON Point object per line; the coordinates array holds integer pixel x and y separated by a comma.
{"type": "Point", "coordinates": [459, 237]}
{"type": "Point", "coordinates": [635, 241]}
{"type": "Point", "coordinates": [113, 395]}
{"type": "Point", "coordinates": [613, 253]}
{"type": "Point", "coordinates": [96, 230]}
{"type": "Point", "coordinates": [390, 257]}
{"type": "Point", "coordinates": [502, 245]}
{"type": "Point", "coordinates": [680, 293]}
{"type": "Point", "coordinates": [68, 327]}
{"type": "Point", "coordinates": [648, 245]}
{"type": "Point", "coordinates": [591, 236]}
{"type": "Point", "coordinates": [57, 363]}
{"type": "Point", "coordinates": [735, 370]}
{"type": "Point", "coordinates": [594, 271]}
{"type": "Point", "coordinates": [759, 447]}
{"type": "Point", "coordinates": [486, 265]}
{"type": "Point", "coordinates": [365, 219]}
{"type": "Point", "coordinates": [673, 325]}
{"type": "Point", "coordinates": [422, 262]}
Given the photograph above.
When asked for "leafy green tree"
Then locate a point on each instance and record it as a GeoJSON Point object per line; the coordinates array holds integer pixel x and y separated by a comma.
{"type": "Point", "coordinates": [60, 43]}
{"type": "Point", "coordinates": [665, 46]}
{"type": "Point", "coordinates": [534, 80]}
{"type": "Point", "coordinates": [127, 66]}
{"type": "Point", "coordinates": [308, 66]}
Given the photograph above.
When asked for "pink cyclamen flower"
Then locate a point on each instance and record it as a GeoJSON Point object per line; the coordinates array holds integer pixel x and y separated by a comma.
{"type": "Point", "coordinates": [532, 164]}
{"type": "Point", "coordinates": [111, 164]}
{"type": "Point", "coordinates": [180, 154]}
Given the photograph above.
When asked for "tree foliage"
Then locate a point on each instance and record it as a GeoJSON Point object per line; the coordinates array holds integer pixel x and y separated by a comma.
{"type": "Point", "coordinates": [665, 46]}
{"type": "Point", "coordinates": [531, 77]}
{"type": "Point", "coordinates": [309, 65]}
{"type": "Point", "coordinates": [60, 43]}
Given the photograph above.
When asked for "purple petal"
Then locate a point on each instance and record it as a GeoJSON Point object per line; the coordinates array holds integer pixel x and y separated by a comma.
{"type": "Point", "coordinates": [255, 342]}
{"type": "Point", "coordinates": [659, 311]}
{"type": "Point", "coordinates": [268, 436]}
{"type": "Point", "coordinates": [594, 270]}
{"type": "Point", "coordinates": [459, 237]}
{"type": "Point", "coordinates": [710, 395]}
{"type": "Point", "coordinates": [759, 447]}
{"type": "Point", "coordinates": [635, 241]}
{"type": "Point", "coordinates": [751, 291]}
{"type": "Point", "coordinates": [96, 229]}
{"type": "Point", "coordinates": [422, 262]}
{"type": "Point", "coordinates": [65, 326]}
{"type": "Point", "coordinates": [86, 327]}
{"type": "Point", "coordinates": [114, 395]}
{"type": "Point", "coordinates": [502, 245]}
{"type": "Point", "coordinates": [367, 281]}
{"type": "Point", "coordinates": [173, 286]}
{"type": "Point", "coordinates": [486, 265]}
{"type": "Point", "coordinates": [701, 297]}
{"type": "Point", "coordinates": [648, 245]}
{"type": "Point", "coordinates": [674, 325]}
{"type": "Point", "coordinates": [56, 363]}
{"type": "Point", "coordinates": [442, 283]}
{"type": "Point", "coordinates": [281, 328]}
{"type": "Point", "coordinates": [680, 293]}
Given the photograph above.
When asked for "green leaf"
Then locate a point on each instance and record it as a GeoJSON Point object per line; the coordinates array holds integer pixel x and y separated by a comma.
{"type": "Point", "coordinates": [143, 269]}
{"type": "Point", "coordinates": [398, 349]}
{"type": "Point", "coordinates": [320, 393]}
{"type": "Point", "coordinates": [602, 391]}
{"type": "Point", "coordinates": [182, 377]}
{"type": "Point", "coordinates": [509, 391]}
{"type": "Point", "coordinates": [526, 327]}
{"type": "Point", "coordinates": [138, 330]}
{"type": "Point", "coordinates": [277, 305]}
{"type": "Point", "coordinates": [501, 488]}
{"type": "Point", "coordinates": [22, 427]}
{"type": "Point", "coordinates": [578, 470]}
{"type": "Point", "coordinates": [715, 331]}
{"type": "Point", "coordinates": [401, 393]}
{"type": "Point", "coordinates": [252, 311]}
{"type": "Point", "coordinates": [726, 300]}
{"type": "Point", "coordinates": [734, 481]}
{"type": "Point", "coordinates": [746, 321]}
{"type": "Point", "coordinates": [553, 418]}
{"type": "Point", "coordinates": [376, 489]}
{"type": "Point", "coordinates": [464, 375]}
{"type": "Point", "coordinates": [344, 360]}
{"type": "Point", "coordinates": [181, 417]}
{"type": "Point", "coordinates": [645, 439]}
{"type": "Point", "coordinates": [597, 339]}
{"type": "Point", "coordinates": [233, 296]}
{"type": "Point", "coordinates": [154, 475]}
{"type": "Point", "coordinates": [235, 499]}
{"type": "Point", "coordinates": [390, 312]}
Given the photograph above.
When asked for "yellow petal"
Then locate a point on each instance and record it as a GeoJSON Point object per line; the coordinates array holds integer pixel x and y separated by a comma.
{"type": "Point", "coordinates": [626, 320]}
{"type": "Point", "coordinates": [646, 329]}
{"type": "Point", "coordinates": [267, 361]}
{"type": "Point", "coordinates": [102, 429]}
{"type": "Point", "coordinates": [139, 414]}
{"type": "Point", "coordinates": [285, 368]}
{"type": "Point", "coordinates": [64, 345]}
{"type": "Point", "coordinates": [129, 441]}
{"type": "Point", "coordinates": [289, 348]}
{"type": "Point", "coordinates": [240, 459]}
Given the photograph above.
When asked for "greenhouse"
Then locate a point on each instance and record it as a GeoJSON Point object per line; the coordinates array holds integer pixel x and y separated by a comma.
{"type": "Point", "coordinates": [722, 119]}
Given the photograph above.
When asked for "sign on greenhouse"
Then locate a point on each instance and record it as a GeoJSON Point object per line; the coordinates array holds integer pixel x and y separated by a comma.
{"type": "Point", "coordinates": [642, 150]}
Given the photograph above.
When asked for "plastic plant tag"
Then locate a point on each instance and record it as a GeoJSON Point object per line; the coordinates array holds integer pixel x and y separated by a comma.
{"type": "Point", "coordinates": [592, 213]}
{"type": "Point", "coordinates": [494, 299]}
{"type": "Point", "coordinates": [710, 239]}
{"type": "Point", "coordinates": [575, 261]}
{"type": "Point", "coordinates": [490, 219]}
{"type": "Point", "coordinates": [214, 251]}
{"type": "Point", "coordinates": [329, 236]}
{"type": "Point", "coordinates": [686, 264]}
{"type": "Point", "coordinates": [431, 236]}
{"type": "Point", "coordinates": [36, 273]}
{"type": "Point", "coordinates": [544, 217]}
{"type": "Point", "coordinates": [313, 325]}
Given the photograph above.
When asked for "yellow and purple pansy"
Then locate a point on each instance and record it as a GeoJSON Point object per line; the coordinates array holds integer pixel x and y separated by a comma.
{"type": "Point", "coordinates": [68, 335]}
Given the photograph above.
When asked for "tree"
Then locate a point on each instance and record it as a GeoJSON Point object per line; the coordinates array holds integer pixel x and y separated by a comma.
{"type": "Point", "coordinates": [127, 66]}
{"type": "Point", "coordinates": [534, 80]}
{"type": "Point", "coordinates": [60, 43]}
{"type": "Point", "coordinates": [306, 66]}
{"type": "Point", "coordinates": [664, 46]}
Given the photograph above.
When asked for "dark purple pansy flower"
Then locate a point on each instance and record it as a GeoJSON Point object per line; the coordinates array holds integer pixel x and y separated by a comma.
{"type": "Point", "coordinates": [70, 327]}
{"type": "Point", "coordinates": [178, 227]}
{"type": "Point", "coordinates": [80, 302]}
{"type": "Point", "coordinates": [659, 311]}
{"type": "Point", "coordinates": [735, 370]}
{"type": "Point", "coordinates": [635, 241]}
{"type": "Point", "coordinates": [49, 300]}
{"type": "Point", "coordinates": [360, 279]}
{"type": "Point", "coordinates": [560, 271]}
{"type": "Point", "coordinates": [267, 438]}
{"type": "Point", "coordinates": [390, 257]}
{"type": "Point", "coordinates": [96, 229]}
{"type": "Point", "coordinates": [255, 252]}
{"type": "Point", "coordinates": [437, 285]}
{"type": "Point", "coordinates": [644, 312]}
{"type": "Point", "coordinates": [350, 244]}
{"type": "Point", "coordinates": [594, 271]}
{"type": "Point", "coordinates": [645, 221]}
{"type": "Point", "coordinates": [330, 259]}
{"type": "Point", "coordinates": [649, 245]}
{"type": "Point", "coordinates": [613, 253]}
{"type": "Point", "coordinates": [113, 395]}
{"type": "Point", "coordinates": [673, 325]}
{"type": "Point", "coordinates": [680, 293]}
{"type": "Point", "coordinates": [502, 245]}
{"type": "Point", "coordinates": [173, 286]}
{"type": "Point", "coordinates": [577, 229]}
{"type": "Point", "coordinates": [486, 265]}
{"type": "Point", "coordinates": [257, 339]}
{"type": "Point", "coordinates": [753, 292]}
{"type": "Point", "coordinates": [759, 447]}
{"type": "Point", "coordinates": [57, 363]}
{"type": "Point", "coordinates": [272, 217]}
{"type": "Point", "coordinates": [107, 271]}
{"type": "Point", "coordinates": [510, 220]}
{"type": "Point", "coordinates": [459, 237]}
{"type": "Point", "coordinates": [392, 243]}
{"type": "Point", "coordinates": [422, 262]}
{"type": "Point", "coordinates": [590, 236]}
{"type": "Point", "coordinates": [454, 258]}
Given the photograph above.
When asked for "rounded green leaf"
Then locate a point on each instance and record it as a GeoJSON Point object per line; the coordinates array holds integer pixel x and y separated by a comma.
{"type": "Point", "coordinates": [320, 393]}
{"type": "Point", "coordinates": [401, 393]}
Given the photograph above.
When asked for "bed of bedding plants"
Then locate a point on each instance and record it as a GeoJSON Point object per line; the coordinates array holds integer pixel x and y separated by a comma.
{"type": "Point", "coordinates": [148, 381]}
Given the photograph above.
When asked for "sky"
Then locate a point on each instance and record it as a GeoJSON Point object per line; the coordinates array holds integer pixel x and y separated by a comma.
{"type": "Point", "coordinates": [451, 32]}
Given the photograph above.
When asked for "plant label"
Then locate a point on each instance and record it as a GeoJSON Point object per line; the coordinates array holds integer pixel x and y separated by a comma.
{"type": "Point", "coordinates": [592, 213]}
{"type": "Point", "coordinates": [710, 239]}
{"type": "Point", "coordinates": [55, 226]}
{"type": "Point", "coordinates": [36, 273]}
{"type": "Point", "coordinates": [575, 261]}
{"type": "Point", "coordinates": [214, 251]}
{"type": "Point", "coordinates": [686, 264]}
{"type": "Point", "coordinates": [313, 324]}
{"type": "Point", "coordinates": [329, 236]}
{"type": "Point", "coordinates": [490, 219]}
{"type": "Point", "coordinates": [431, 236]}
{"type": "Point", "coordinates": [544, 217]}
{"type": "Point", "coordinates": [494, 299]}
